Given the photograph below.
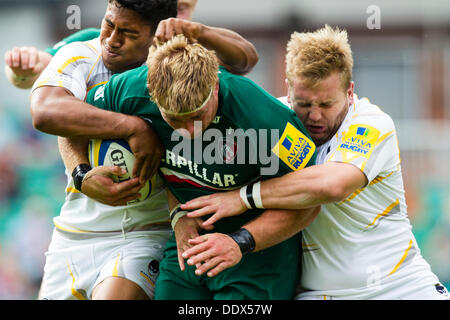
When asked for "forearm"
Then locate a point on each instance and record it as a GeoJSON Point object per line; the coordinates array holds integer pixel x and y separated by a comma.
{"type": "Point", "coordinates": [73, 152]}
{"type": "Point", "coordinates": [232, 49]}
{"type": "Point", "coordinates": [171, 200]}
{"type": "Point", "coordinates": [312, 186]}
{"type": "Point", "coordinates": [56, 112]}
{"type": "Point", "coordinates": [275, 226]}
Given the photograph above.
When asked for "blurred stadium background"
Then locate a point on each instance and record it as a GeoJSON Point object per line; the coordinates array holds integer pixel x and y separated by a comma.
{"type": "Point", "coordinates": [404, 67]}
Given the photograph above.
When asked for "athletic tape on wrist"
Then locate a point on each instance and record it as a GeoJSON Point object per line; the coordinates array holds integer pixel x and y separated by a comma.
{"type": "Point", "coordinates": [249, 196]}
{"type": "Point", "coordinates": [257, 195]}
{"type": "Point", "coordinates": [176, 214]}
{"type": "Point", "coordinates": [243, 195]}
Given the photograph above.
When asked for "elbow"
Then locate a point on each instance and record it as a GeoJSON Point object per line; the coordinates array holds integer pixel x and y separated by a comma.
{"type": "Point", "coordinates": [37, 118]}
{"type": "Point", "coordinates": [39, 113]}
{"type": "Point", "coordinates": [247, 63]}
{"type": "Point", "coordinates": [334, 192]}
{"type": "Point", "coordinates": [252, 60]}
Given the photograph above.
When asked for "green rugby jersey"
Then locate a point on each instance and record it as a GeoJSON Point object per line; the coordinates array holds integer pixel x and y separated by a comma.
{"type": "Point", "coordinates": [82, 35]}
{"type": "Point", "coordinates": [250, 126]}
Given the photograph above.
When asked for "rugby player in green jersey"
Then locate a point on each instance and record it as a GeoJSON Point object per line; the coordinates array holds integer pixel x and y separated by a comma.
{"type": "Point", "coordinates": [252, 133]}
{"type": "Point", "coordinates": [78, 120]}
{"type": "Point", "coordinates": [129, 34]}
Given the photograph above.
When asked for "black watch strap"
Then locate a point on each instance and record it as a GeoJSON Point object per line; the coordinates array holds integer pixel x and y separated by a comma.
{"type": "Point", "coordinates": [244, 239]}
{"type": "Point", "coordinates": [78, 174]}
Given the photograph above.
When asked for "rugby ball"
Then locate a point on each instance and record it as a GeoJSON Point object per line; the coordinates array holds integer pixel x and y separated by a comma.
{"type": "Point", "coordinates": [116, 153]}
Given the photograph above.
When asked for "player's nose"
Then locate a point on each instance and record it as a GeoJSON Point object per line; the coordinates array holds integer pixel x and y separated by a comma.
{"type": "Point", "coordinates": [114, 40]}
{"type": "Point", "coordinates": [315, 114]}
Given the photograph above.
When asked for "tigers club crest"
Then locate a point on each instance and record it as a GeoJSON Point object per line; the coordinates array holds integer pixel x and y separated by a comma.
{"type": "Point", "coordinates": [228, 150]}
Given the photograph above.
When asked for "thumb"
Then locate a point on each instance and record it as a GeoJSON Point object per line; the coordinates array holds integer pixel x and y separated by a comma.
{"type": "Point", "coordinates": [116, 170]}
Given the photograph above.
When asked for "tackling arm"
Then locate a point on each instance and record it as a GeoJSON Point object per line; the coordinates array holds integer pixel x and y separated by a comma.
{"type": "Point", "coordinates": [275, 226]}
{"type": "Point", "coordinates": [235, 53]}
{"type": "Point", "coordinates": [309, 187]}
{"type": "Point", "coordinates": [56, 111]}
{"type": "Point", "coordinates": [315, 185]}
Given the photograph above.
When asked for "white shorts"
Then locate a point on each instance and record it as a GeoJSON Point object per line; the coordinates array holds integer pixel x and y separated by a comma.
{"type": "Point", "coordinates": [406, 286]}
{"type": "Point", "coordinates": [76, 263]}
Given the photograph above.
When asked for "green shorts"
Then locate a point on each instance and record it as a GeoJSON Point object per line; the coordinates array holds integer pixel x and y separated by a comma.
{"type": "Point", "coordinates": [270, 274]}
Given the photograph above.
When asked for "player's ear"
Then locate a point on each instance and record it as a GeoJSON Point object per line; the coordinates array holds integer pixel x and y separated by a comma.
{"type": "Point", "coordinates": [216, 88]}
{"type": "Point", "coordinates": [350, 93]}
{"type": "Point", "coordinates": [286, 82]}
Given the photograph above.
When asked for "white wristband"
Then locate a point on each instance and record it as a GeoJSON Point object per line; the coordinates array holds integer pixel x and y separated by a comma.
{"type": "Point", "coordinates": [243, 195]}
{"type": "Point", "coordinates": [257, 195]}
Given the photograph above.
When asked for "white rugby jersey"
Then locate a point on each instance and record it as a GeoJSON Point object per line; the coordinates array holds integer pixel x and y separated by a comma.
{"type": "Point", "coordinates": [363, 246]}
{"type": "Point", "coordinates": [79, 67]}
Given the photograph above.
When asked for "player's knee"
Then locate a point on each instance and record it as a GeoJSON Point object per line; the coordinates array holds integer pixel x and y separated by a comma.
{"type": "Point", "coordinates": [116, 288]}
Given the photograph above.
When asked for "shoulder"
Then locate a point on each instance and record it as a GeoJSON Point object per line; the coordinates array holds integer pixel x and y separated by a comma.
{"type": "Point", "coordinates": [284, 100]}
{"type": "Point", "coordinates": [131, 83]}
{"type": "Point", "coordinates": [92, 45]}
{"type": "Point", "coordinates": [250, 104]}
{"type": "Point", "coordinates": [82, 35]}
{"type": "Point", "coordinates": [364, 112]}
{"type": "Point", "coordinates": [123, 91]}
{"type": "Point", "coordinates": [79, 50]}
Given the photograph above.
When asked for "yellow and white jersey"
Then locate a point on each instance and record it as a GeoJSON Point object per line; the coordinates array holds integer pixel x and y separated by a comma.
{"type": "Point", "coordinates": [78, 67]}
{"type": "Point", "coordinates": [363, 246]}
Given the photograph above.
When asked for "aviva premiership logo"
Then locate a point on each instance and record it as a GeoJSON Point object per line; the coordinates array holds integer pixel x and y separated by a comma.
{"type": "Point", "coordinates": [294, 148]}
{"type": "Point", "coordinates": [360, 139]}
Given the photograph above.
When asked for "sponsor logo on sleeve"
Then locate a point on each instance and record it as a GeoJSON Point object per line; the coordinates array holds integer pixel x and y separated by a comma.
{"type": "Point", "coordinates": [360, 140]}
{"type": "Point", "coordinates": [294, 148]}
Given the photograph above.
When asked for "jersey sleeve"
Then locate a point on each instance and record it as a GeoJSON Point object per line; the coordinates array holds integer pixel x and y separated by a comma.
{"type": "Point", "coordinates": [121, 93]}
{"type": "Point", "coordinates": [82, 35]}
{"type": "Point", "coordinates": [279, 131]}
{"type": "Point", "coordinates": [69, 68]}
{"type": "Point", "coordinates": [371, 144]}
{"type": "Point", "coordinates": [294, 149]}
{"type": "Point", "coordinates": [105, 97]}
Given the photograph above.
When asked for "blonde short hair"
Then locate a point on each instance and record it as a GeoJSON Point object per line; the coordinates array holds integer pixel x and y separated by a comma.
{"type": "Point", "coordinates": [181, 75]}
{"type": "Point", "coordinates": [313, 56]}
